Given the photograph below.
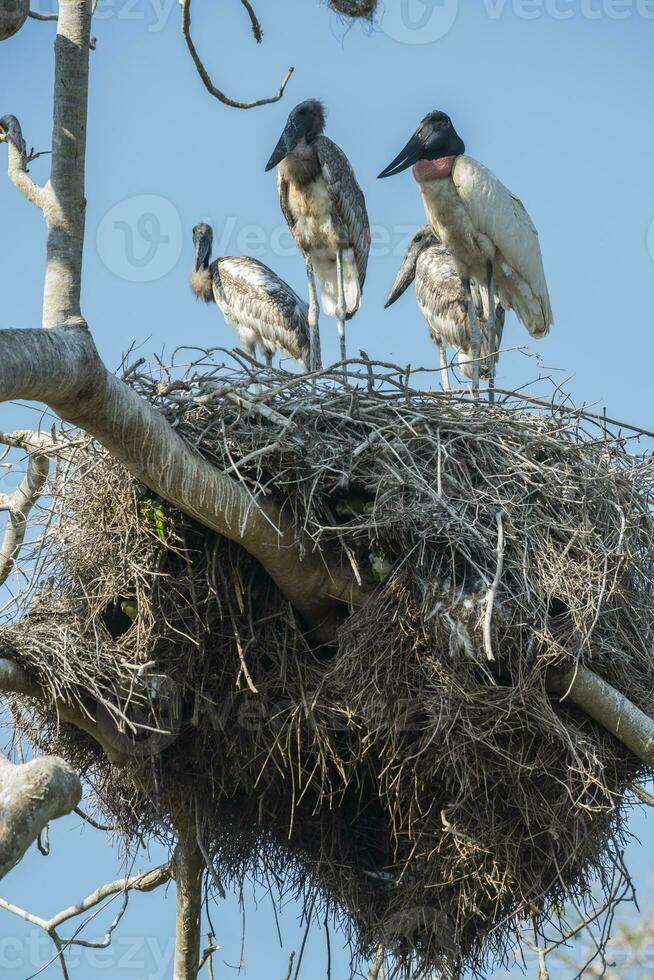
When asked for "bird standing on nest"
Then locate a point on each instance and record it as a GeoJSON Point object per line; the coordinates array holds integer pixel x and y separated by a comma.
{"type": "Point", "coordinates": [262, 308]}
{"type": "Point", "coordinates": [441, 296]}
{"type": "Point", "coordinates": [326, 213]}
{"type": "Point", "coordinates": [488, 231]}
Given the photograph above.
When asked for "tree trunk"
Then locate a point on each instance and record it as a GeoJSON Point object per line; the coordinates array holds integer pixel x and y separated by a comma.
{"type": "Point", "coordinates": [65, 204]}
{"type": "Point", "coordinates": [188, 866]}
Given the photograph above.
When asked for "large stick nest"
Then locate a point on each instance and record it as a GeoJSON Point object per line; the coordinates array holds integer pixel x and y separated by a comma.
{"type": "Point", "coordinates": [432, 797]}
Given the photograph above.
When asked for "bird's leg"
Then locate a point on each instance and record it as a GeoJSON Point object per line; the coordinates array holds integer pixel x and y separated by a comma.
{"type": "Point", "coordinates": [269, 358]}
{"type": "Point", "coordinates": [341, 310]}
{"type": "Point", "coordinates": [315, 362]}
{"type": "Point", "coordinates": [445, 374]}
{"type": "Point", "coordinates": [475, 338]}
{"type": "Point", "coordinates": [491, 332]}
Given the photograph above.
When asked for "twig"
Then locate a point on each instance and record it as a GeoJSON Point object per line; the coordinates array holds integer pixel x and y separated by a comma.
{"type": "Point", "coordinates": [107, 828]}
{"type": "Point", "coordinates": [44, 17]}
{"type": "Point", "coordinates": [492, 592]}
{"type": "Point", "coordinates": [544, 951]}
{"type": "Point", "coordinates": [207, 860]}
{"type": "Point", "coordinates": [256, 26]}
{"type": "Point", "coordinates": [207, 955]}
{"type": "Point", "coordinates": [202, 72]}
{"type": "Point", "coordinates": [290, 966]}
{"type": "Point", "coordinates": [144, 882]}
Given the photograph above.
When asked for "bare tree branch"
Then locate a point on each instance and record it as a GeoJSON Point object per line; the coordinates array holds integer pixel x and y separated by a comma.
{"type": "Point", "coordinates": [204, 75]}
{"type": "Point", "coordinates": [19, 504]}
{"type": "Point", "coordinates": [621, 886]}
{"type": "Point", "coordinates": [15, 680]}
{"type": "Point", "coordinates": [30, 796]}
{"type": "Point", "coordinates": [642, 794]}
{"type": "Point", "coordinates": [207, 955]}
{"type": "Point", "coordinates": [376, 968]}
{"type": "Point", "coordinates": [45, 443]}
{"type": "Point", "coordinates": [18, 159]}
{"type": "Point", "coordinates": [254, 20]}
{"type": "Point", "coordinates": [609, 708]}
{"type": "Point", "coordinates": [107, 828]}
{"type": "Point", "coordinates": [44, 17]}
{"type": "Point", "coordinates": [146, 882]}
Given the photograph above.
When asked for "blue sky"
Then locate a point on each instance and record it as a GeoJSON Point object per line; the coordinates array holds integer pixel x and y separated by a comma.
{"type": "Point", "coordinates": [554, 96]}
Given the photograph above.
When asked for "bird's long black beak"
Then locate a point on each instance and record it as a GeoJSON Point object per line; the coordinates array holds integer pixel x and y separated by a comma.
{"type": "Point", "coordinates": [405, 276]}
{"type": "Point", "coordinates": [202, 250]}
{"type": "Point", "coordinates": [287, 141]}
{"type": "Point", "coordinates": [411, 153]}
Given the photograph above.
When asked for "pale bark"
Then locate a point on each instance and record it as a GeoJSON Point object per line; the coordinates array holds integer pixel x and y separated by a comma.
{"type": "Point", "coordinates": [65, 204]}
{"type": "Point", "coordinates": [17, 160]}
{"type": "Point", "coordinates": [15, 680]}
{"type": "Point", "coordinates": [30, 796]}
{"type": "Point", "coordinates": [188, 867]}
{"type": "Point", "coordinates": [19, 504]}
{"type": "Point", "coordinates": [612, 710]}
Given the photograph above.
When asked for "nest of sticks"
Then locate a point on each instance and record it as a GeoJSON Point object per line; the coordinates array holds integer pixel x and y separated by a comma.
{"type": "Point", "coordinates": [364, 9]}
{"type": "Point", "coordinates": [415, 779]}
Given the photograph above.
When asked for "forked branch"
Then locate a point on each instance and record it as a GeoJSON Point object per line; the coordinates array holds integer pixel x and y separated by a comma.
{"type": "Point", "coordinates": [203, 73]}
{"type": "Point", "coordinates": [146, 882]}
{"type": "Point", "coordinates": [18, 159]}
{"type": "Point", "coordinates": [18, 505]}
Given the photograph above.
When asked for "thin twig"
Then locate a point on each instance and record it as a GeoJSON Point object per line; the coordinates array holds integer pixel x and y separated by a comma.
{"type": "Point", "coordinates": [492, 592]}
{"type": "Point", "coordinates": [204, 75]}
{"type": "Point", "coordinates": [256, 26]}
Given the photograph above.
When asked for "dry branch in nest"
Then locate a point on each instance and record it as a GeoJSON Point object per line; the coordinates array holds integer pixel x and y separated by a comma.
{"type": "Point", "coordinates": [416, 778]}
